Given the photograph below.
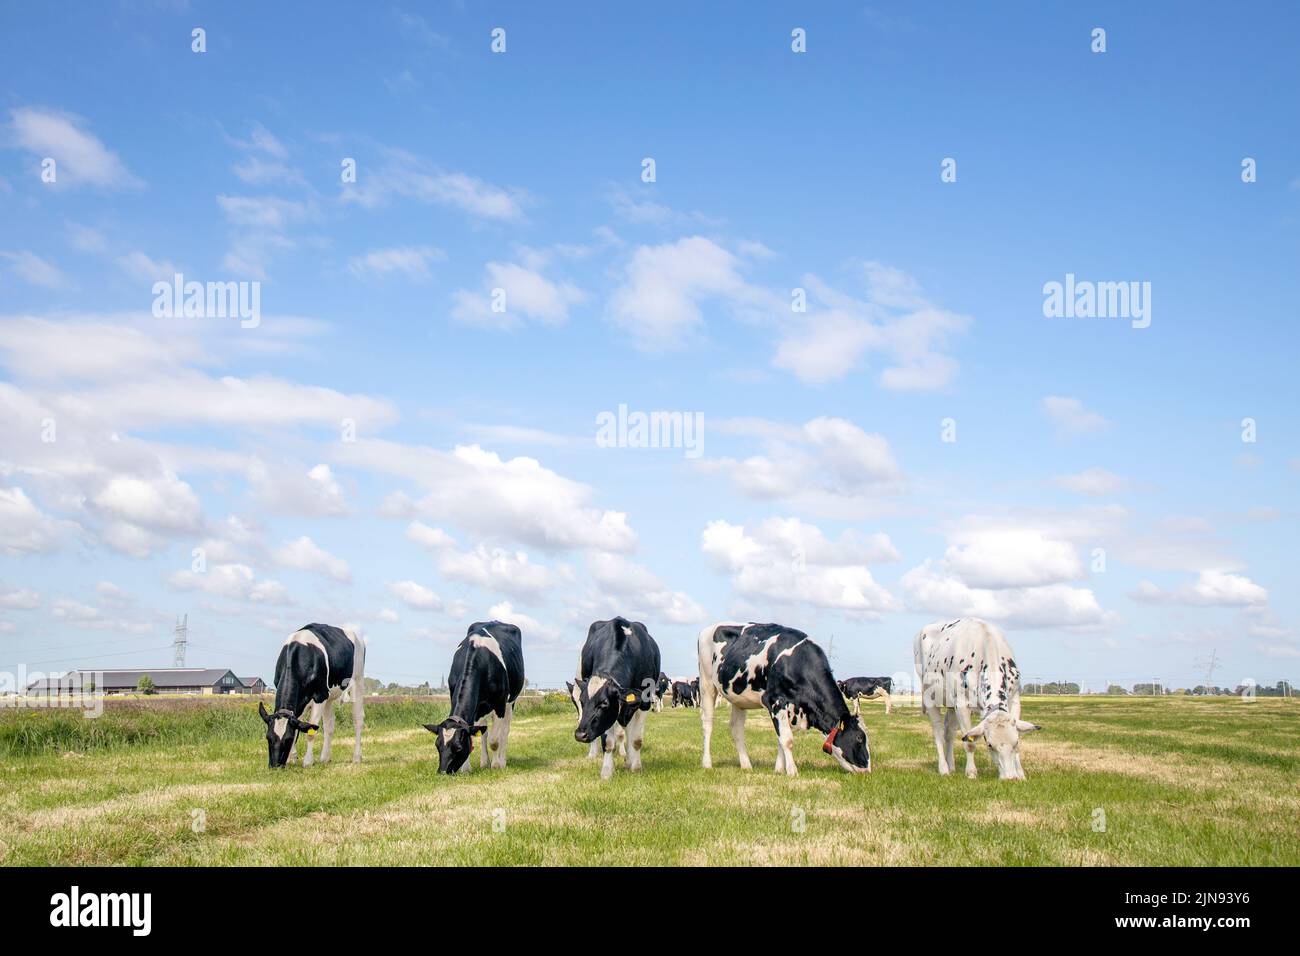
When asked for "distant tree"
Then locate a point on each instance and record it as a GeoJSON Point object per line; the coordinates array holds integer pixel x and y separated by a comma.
{"type": "Point", "coordinates": [1116, 691]}
{"type": "Point", "coordinates": [145, 685]}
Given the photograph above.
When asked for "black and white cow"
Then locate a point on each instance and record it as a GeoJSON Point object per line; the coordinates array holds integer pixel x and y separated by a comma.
{"type": "Point", "coordinates": [618, 676]}
{"type": "Point", "coordinates": [781, 670]}
{"type": "Point", "coordinates": [686, 692]}
{"type": "Point", "coordinates": [867, 688]}
{"type": "Point", "coordinates": [597, 746]}
{"type": "Point", "coordinates": [966, 665]}
{"type": "Point", "coordinates": [316, 665]}
{"type": "Point", "coordinates": [664, 688]}
{"type": "Point", "coordinates": [486, 678]}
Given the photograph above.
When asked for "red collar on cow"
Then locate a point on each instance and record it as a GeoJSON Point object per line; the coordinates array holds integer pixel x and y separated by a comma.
{"type": "Point", "coordinates": [829, 742]}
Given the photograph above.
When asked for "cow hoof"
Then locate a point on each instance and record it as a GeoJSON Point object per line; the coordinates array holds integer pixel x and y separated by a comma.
{"type": "Point", "coordinates": [746, 765]}
{"type": "Point", "coordinates": [970, 775]}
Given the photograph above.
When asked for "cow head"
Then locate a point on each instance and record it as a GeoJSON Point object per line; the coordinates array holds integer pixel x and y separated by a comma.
{"type": "Point", "coordinates": [599, 701]}
{"type": "Point", "coordinates": [455, 740]}
{"type": "Point", "coordinates": [1002, 733]}
{"type": "Point", "coordinates": [282, 728]}
{"type": "Point", "coordinates": [847, 743]}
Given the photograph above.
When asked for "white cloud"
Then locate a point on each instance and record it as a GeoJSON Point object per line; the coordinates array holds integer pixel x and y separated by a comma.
{"type": "Point", "coordinates": [938, 592]}
{"type": "Point", "coordinates": [1212, 588]}
{"type": "Point", "coordinates": [838, 333]}
{"type": "Point", "coordinates": [529, 296]}
{"type": "Point", "coordinates": [140, 266]}
{"type": "Point", "coordinates": [515, 499]}
{"type": "Point", "coordinates": [305, 555]}
{"type": "Point", "coordinates": [410, 262]}
{"type": "Point", "coordinates": [34, 270]}
{"type": "Point", "coordinates": [286, 489]}
{"type": "Point", "coordinates": [161, 503]}
{"type": "Point", "coordinates": [1094, 482]}
{"type": "Point", "coordinates": [658, 302]}
{"type": "Point", "coordinates": [24, 528]}
{"type": "Point", "coordinates": [80, 157]}
{"type": "Point", "coordinates": [534, 631]}
{"type": "Point", "coordinates": [630, 588]}
{"type": "Point", "coordinates": [403, 176]}
{"type": "Point", "coordinates": [236, 582]}
{"type": "Point", "coordinates": [1010, 557]}
{"type": "Point", "coordinates": [415, 596]}
{"type": "Point", "coordinates": [493, 569]}
{"type": "Point", "coordinates": [787, 561]}
{"type": "Point", "coordinates": [21, 599]}
{"type": "Point", "coordinates": [1071, 418]}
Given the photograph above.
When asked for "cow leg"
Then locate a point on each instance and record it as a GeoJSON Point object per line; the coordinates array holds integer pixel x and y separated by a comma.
{"type": "Point", "coordinates": [706, 723]}
{"type": "Point", "coordinates": [785, 741]}
{"type": "Point", "coordinates": [308, 759]}
{"type": "Point", "coordinates": [358, 718]}
{"type": "Point", "coordinates": [327, 731]}
{"type": "Point", "coordinates": [483, 759]}
{"type": "Point", "coordinates": [738, 736]}
{"type": "Point", "coordinates": [888, 702]}
{"type": "Point", "coordinates": [501, 732]}
{"type": "Point", "coordinates": [595, 748]}
{"type": "Point", "coordinates": [963, 727]}
{"type": "Point", "coordinates": [937, 726]}
{"type": "Point", "coordinates": [611, 740]}
{"type": "Point", "coordinates": [857, 706]}
{"type": "Point", "coordinates": [636, 737]}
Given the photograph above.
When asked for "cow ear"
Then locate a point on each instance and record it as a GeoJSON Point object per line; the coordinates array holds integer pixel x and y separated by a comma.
{"type": "Point", "coordinates": [261, 710]}
{"type": "Point", "coordinates": [976, 731]}
{"type": "Point", "coordinates": [1025, 727]}
{"type": "Point", "coordinates": [479, 729]}
{"type": "Point", "coordinates": [431, 728]}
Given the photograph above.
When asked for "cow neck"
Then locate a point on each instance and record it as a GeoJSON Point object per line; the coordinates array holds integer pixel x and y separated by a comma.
{"type": "Point", "coordinates": [465, 705]}
{"type": "Point", "coordinates": [828, 718]}
{"type": "Point", "coordinates": [288, 694]}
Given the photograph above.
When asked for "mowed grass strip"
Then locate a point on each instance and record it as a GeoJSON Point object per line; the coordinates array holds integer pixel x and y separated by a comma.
{"type": "Point", "coordinates": [1142, 781]}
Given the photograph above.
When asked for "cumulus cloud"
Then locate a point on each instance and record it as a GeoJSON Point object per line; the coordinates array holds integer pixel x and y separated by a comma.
{"type": "Point", "coordinates": [495, 569]}
{"type": "Point", "coordinates": [304, 554]}
{"type": "Point", "coordinates": [415, 596]}
{"type": "Point", "coordinates": [825, 466]}
{"type": "Point", "coordinates": [32, 269]}
{"type": "Point", "coordinates": [286, 489]}
{"type": "Point", "coordinates": [1212, 588]}
{"type": "Point", "coordinates": [838, 333]}
{"type": "Point", "coordinates": [933, 590]}
{"type": "Point", "coordinates": [25, 528]}
{"type": "Point", "coordinates": [235, 582]}
{"type": "Point", "coordinates": [786, 561]}
{"type": "Point", "coordinates": [514, 499]}
{"type": "Point", "coordinates": [525, 294]}
{"type": "Point", "coordinates": [630, 588]}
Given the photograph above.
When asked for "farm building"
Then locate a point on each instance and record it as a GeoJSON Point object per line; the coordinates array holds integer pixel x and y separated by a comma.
{"type": "Point", "coordinates": [166, 680]}
{"type": "Point", "coordinates": [253, 685]}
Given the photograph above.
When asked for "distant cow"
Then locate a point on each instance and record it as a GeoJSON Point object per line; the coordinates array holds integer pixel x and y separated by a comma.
{"type": "Point", "coordinates": [618, 673]}
{"type": "Point", "coordinates": [867, 688]}
{"type": "Point", "coordinates": [662, 690]}
{"type": "Point", "coordinates": [782, 671]}
{"type": "Point", "coordinates": [486, 678]}
{"type": "Point", "coordinates": [316, 665]}
{"type": "Point", "coordinates": [686, 693]}
{"type": "Point", "coordinates": [966, 665]}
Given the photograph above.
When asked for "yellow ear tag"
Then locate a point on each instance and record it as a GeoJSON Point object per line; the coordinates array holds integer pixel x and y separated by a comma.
{"type": "Point", "coordinates": [630, 698]}
{"type": "Point", "coordinates": [312, 732]}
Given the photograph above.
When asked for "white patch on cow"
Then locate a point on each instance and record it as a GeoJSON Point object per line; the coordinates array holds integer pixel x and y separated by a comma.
{"type": "Point", "coordinates": [280, 726]}
{"type": "Point", "coordinates": [595, 684]}
{"type": "Point", "coordinates": [311, 640]}
{"type": "Point", "coordinates": [486, 640]}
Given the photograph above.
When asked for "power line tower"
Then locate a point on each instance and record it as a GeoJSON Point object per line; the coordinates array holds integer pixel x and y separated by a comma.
{"type": "Point", "coordinates": [178, 644]}
{"type": "Point", "coordinates": [1209, 668]}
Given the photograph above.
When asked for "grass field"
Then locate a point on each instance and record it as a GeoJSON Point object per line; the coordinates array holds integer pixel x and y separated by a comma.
{"type": "Point", "coordinates": [1179, 781]}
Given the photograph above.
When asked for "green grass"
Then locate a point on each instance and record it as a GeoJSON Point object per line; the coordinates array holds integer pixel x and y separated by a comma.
{"type": "Point", "coordinates": [1180, 781]}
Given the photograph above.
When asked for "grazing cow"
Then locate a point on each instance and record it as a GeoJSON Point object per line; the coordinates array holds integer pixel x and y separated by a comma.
{"type": "Point", "coordinates": [686, 693]}
{"type": "Point", "coordinates": [316, 665]}
{"type": "Point", "coordinates": [867, 688]}
{"type": "Point", "coordinates": [964, 665]}
{"type": "Point", "coordinates": [781, 670]}
{"type": "Point", "coordinates": [618, 674]}
{"type": "Point", "coordinates": [664, 688]}
{"type": "Point", "coordinates": [486, 678]}
{"type": "Point", "coordinates": [597, 745]}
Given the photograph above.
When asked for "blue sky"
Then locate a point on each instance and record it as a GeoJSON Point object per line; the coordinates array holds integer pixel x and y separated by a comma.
{"type": "Point", "coordinates": [824, 496]}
